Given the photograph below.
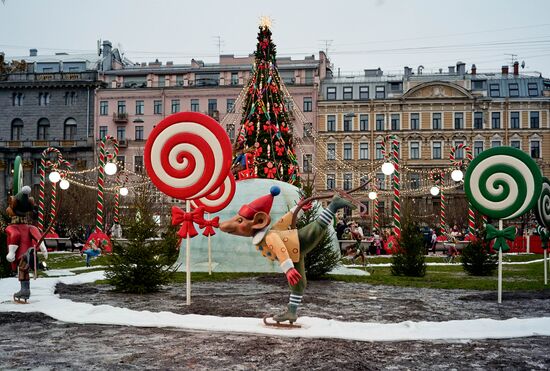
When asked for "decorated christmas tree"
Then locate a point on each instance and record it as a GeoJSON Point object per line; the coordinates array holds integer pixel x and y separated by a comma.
{"type": "Point", "coordinates": [265, 134]}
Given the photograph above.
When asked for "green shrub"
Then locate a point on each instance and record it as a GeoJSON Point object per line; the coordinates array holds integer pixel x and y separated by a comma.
{"type": "Point", "coordinates": [476, 259]}
{"type": "Point", "coordinates": [409, 260]}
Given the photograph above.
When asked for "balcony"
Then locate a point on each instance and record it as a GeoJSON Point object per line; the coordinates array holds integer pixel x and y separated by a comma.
{"type": "Point", "coordinates": [120, 117]}
{"type": "Point", "coordinates": [215, 114]}
{"type": "Point", "coordinates": [123, 143]}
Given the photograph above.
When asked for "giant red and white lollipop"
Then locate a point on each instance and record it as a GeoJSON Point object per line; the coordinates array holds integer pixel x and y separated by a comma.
{"type": "Point", "coordinates": [188, 155]}
{"type": "Point", "coordinates": [219, 198]}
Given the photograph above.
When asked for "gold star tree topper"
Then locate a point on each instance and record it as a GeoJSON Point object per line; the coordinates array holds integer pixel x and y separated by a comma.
{"type": "Point", "coordinates": [265, 21]}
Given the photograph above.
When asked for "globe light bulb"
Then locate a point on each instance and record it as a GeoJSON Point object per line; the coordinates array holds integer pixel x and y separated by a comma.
{"type": "Point", "coordinates": [434, 191]}
{"type": "Point", "coordinates": [373, 195]}
{"type": "Point", "coordinates": [54, 177]}
{"type": "Point", "coordinates": [388, 168]}
{"type": "Point", "coordinates": [64, 184]}
{"type": "Point", "coordinates": [123, 191]}
{"type": "Point", "coordinates": [110, 168]}
{"type": "Point", "coordinates": [457, 175]}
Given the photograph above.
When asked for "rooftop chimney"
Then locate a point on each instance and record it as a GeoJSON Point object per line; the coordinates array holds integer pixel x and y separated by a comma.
{"type": "Point", "coordinates": [451, 70]}
{"type": "Point", "coordinates": [407, 72]}
{"type": "Point", "coordinates": [474, 69]}
{"type": "Point", "coordinates": [33, 52]}
{"type": "Point", "coordinates": [106, 51]}
{"type": "Point", "coordinates": [461, 68]}
{"type": "Point", "coordinates": [505, 70]}
{"type": "Point", "coordinates": [516, 68]}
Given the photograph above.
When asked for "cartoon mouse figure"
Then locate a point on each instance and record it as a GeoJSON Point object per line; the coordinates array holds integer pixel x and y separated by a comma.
{"type": "Point", "coordinates": [288, 246]}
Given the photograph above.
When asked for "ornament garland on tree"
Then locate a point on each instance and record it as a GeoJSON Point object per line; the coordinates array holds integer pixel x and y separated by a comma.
{"type": "Point", "coordinates": [266, 128]}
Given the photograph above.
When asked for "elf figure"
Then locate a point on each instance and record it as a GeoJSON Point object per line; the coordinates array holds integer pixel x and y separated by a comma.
{"type": "Point", "coordinates": [288, 246]}
{"type": "Point", "coordinates": [22, 238]}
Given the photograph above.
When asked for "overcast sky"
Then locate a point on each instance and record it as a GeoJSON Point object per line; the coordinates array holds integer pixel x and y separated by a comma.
{"type": "Point", "coordinates": [360, 34]}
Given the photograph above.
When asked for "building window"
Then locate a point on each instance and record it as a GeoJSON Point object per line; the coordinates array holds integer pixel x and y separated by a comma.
{"type": "Point", "coordinates": [495, 120]}
{"type": "Point", "coordinates": [515, 144]}
{"type": "Point", "coordinates": [308, 129]}
{"type": "Point", "coordinates": [139, 107]}
{"type": "Point", "coordinates": [195, 105]}
{"type": "Point", "coordinates": [139, 133]}
{"type": "Point", "coordinates": [102, 132]}
{"type": "Point", "coordinates": [459, 120]}
{"type": "Point", "coordinates": [535, 149]}
{"type": "Point", "coordinates": [175, 105]}
{"type": "Point", "coordinates": [395, 122]}
{"type": "Point", "coordinates": [415, 121]}
{"type": "Point", "coordinates": [308, 104]}
{"type": "Point", "coordinates": [514, 120]}
{"type": "Point", "coordinates": [478, 120]}
{"type": "Point", "coordinates": [478, 84]}
{"type": "Point", "coordinates": [43, 99]}
{"type": "Point", "coordinates": [212, 106]}
{"type": "Point", "coordinates": [231, 132]}
{"type": "Point", "coordinates": [17, 129]}
{"type": "Point", "coordinates": [157, 107]}
{"type": "Point", "coordinates": [121, 161]}
{"type": "Point", "coordinates": [70, 98]}
{"type": "Point", "coordinates": [414, 150]}
{"type": "Point", "coordinates": [103, 108]}
{"type": "Point", "coordinates": [494, 90]}
{"type": "Point", "coordinates": [380, 92]}
{"type": "Point", "coordinates": [396, 86]}
{"type": "Point", "coordinates": [478, 147]}
{"type": "Point", "coordinates": [348, 92]}
{"type": "Point", "coordinates": [331, 181]}
{"type": "Point", "coordinates": [363, 151]}
{"type": "Point", "coordinates": [533, 89]}
{"type": "Point", "coordinates": [331, 93]}
{"type": "Point", "coordinates": [436, 150]}
{"type": "Point", "coordinates": [331, 151]}
{"type": "Point", "coordinates": [347, 181]}
{"type": "Point", "coordinates": [120, 133]}
{"type": "Point", "coordinates": [69, 129]}
{"type": "Point", "coordinates": [496, 143]}
{"type": "Point", "coordinates": [17, 99]}
{"type": "Point", "coordinates": [121, 107]}
{"type": "Point", "coordinates": [348, 123]}
{"type": "Point", "coordinates": [380, 122]}
{"type": "Point", "coordinates": [307, 162]}
{"type": "Point", "coordinates": [138, 164]}
{"type": "Point", "coordinates": [534, 119]}
{"type": "Point", "coordinates": [380, 181]}
{"type": "Point", "coordinates": [43, 129]}
{"type": "Point", "coordinates": [436, 121]}
{"type": "Point", "coordinates": [379, 155]}
{"type": "Point", "coordinates": [230, 105]}
{"type": "Point", "coordinates": [459, 153]}
{"type": "Point", "coordinates": [234, 78]}
{"type": "Point", "coordinates": [513, 89]}
{"type": "Point", "coordinates": [331, 123]}
{"type": "Point", "coordinates": [415, 181]}
{"type": "Point", "coordinates": [363, 122]}
{"type": "Point", "coordinates": [363, 92]}
{"type": "Point", "coordinates": [348, 151]}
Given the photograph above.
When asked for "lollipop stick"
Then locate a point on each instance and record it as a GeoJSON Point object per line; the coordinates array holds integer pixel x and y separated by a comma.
{"type": "Point", "coordinates": [545, 271]}
{"type": "Point", "coordinates": [528, 241]}
{"type": "Point", "coordinates": [500, 267]}
{"type": "Point", "coordinates": [209, 253]}
{"type": "Point", "coordinates": [188, 260]}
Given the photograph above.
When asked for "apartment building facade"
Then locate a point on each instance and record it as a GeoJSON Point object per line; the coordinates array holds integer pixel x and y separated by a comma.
{"type": "Point", "coordinates": [427, 114]}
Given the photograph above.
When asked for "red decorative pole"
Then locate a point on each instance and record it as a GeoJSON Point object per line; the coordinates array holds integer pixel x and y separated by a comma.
{"type": "Point", "coordinates": [459, 164]}
{"type": "Point", "coordinates": [104, 156]}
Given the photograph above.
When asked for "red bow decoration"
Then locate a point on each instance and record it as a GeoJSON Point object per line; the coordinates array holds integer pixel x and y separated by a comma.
{"type": "Point", "coordinates": [250, 128]}
{"type": "Point", "coordinates": [280, 150]}
{"type": "Point", "coordinates": [284, 129]}
{"type": "Point", "coordinates": [209, 226]}
{"type": "Point", "coordinates": [186, 220]}
{"type": "Point", "coordinates": [270, 171]}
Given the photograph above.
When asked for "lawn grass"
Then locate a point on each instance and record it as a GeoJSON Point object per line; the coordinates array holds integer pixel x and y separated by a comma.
{"type": "Point", "coordinates": [521, 277]}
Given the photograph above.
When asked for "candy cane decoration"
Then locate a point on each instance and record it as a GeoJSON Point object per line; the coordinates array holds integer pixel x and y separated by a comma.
{"type": "Point", "coordinates": [394, 158]}
{"type": "Point", "coordinates": [376, 221]}
{"type": "Point", "coordinates": [104, 156]}
{"type": "Point", "coordinates": [442, 215]}
{"type": "Point", "coordinates": [459, 163]}
{"type": "Point", "coordinates": [47, 164]}
{"type": "Point", "coordinates": [117, 195]}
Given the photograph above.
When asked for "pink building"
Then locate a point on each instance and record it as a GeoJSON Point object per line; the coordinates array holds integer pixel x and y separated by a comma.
{"type": "Point", "coordinates": [136, 98]}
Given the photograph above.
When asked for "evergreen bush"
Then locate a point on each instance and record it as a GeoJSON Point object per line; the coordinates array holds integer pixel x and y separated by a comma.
{"type": "Point", "coordinates": [409, 259]}
{"type": "Point", "coordinates": [476, 259]}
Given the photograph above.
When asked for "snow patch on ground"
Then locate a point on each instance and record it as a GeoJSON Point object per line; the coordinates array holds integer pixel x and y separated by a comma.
{"type": "Point", "coordinates": [44, 300]}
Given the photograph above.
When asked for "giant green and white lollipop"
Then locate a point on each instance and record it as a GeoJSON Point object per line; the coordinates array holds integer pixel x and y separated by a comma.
{"type": "Point", "coordinates": [542, 208]}
{"type": "Point", "coordinates": [502, 183]}
{"type": "Point", "coordinates": [17, 175]}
